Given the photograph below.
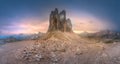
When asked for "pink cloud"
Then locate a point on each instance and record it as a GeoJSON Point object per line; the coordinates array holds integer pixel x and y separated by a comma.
{"type": "Point", "coordinates": [82, 22]}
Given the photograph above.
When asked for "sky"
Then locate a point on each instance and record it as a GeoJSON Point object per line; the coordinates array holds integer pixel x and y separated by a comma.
{"type": "Point", "coordinates": [32, 16]}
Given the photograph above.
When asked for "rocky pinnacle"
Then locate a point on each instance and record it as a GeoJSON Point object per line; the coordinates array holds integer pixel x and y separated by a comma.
{"type": "Point", "coordinates": [58, 22]}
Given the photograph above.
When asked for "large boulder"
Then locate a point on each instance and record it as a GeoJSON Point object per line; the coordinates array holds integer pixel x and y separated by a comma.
{"type": "Point", "coordinates": [58, 22]}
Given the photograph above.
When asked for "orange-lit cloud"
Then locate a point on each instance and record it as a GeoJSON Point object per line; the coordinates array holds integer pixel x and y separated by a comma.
{"type": "Point", "coordinates": [89, 23]}
{"type": "Point", "coordinates": [85, 22]}
{"type": "Point", "coordinates": [27, 25]}
{"type": "Point", "coordinates": [32, 26]}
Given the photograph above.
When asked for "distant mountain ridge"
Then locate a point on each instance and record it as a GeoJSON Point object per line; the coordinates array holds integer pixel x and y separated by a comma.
{"type": "Point", "coordinates": [19, 37]}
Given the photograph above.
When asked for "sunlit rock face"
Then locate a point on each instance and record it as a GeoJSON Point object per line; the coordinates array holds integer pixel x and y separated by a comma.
{"type": "Point", "coordinates": [58, 22]}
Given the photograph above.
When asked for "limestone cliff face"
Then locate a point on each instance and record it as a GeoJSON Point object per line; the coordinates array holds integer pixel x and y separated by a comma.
{"type": "Point", "coordinates": [58, 22]}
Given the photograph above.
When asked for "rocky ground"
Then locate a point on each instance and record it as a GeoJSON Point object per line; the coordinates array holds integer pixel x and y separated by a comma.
{"type": "Point", "coordinates": [57, 51]}
{"type": "Point", "coordinates": [7, 51]}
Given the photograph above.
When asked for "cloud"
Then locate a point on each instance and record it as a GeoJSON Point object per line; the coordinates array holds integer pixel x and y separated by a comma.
{"type": "Point", "coordinates": [82, 22]}
{"type": "Point", "coordinates": [88, 22]}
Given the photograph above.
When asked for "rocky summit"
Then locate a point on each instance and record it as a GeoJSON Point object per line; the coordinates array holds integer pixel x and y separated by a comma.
{"type": "Point", "coordinates": [60, 27]}
{"type": "Point", "coordinates": [59, 22]}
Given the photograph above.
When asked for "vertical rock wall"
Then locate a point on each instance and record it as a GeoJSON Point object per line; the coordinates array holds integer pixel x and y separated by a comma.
{"type": "Point", "coordinates": [58, 22]}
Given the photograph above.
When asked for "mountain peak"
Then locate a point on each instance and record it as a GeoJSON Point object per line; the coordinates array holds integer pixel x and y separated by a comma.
{"type": "Point", "coordinates": [58, 22]}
